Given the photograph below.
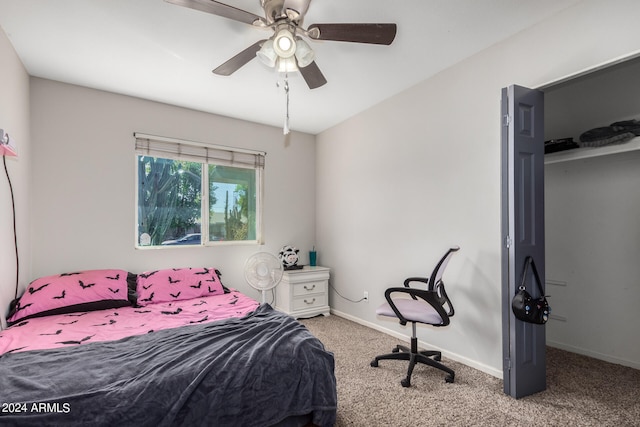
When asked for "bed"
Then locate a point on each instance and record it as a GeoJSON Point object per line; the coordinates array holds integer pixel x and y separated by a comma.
{"type": "Point", "coordinates": [160, 348]}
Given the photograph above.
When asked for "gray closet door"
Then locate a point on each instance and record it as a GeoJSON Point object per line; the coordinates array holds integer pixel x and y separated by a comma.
{"type": "Point", "coordinates": [524, 363]}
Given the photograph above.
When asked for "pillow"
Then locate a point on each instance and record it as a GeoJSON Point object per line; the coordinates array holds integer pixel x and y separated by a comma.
{"type": "Point", "coordinates": [72, 292]}
{"type": "Point", "coordinates": [177, 284]}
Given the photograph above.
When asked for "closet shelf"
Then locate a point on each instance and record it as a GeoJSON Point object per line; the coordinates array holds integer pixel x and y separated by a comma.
{"type": "Point", "coordinates": [587, 152]}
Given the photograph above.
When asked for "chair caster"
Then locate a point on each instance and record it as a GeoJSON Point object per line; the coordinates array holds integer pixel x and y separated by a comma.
{"type": "Point", "coordinates": [405, 382]}
{"type": "Point", "coordinates": [395, 349]}
{"type": "Point", "coordinates": [449, 378]}
{"type": "Point", "coordinates": [437, 358]}
{"type": "Point", "coordinates": [374, 363]}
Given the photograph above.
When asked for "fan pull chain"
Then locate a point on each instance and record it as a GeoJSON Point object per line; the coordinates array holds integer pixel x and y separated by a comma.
{"type": "Point", "coordinates": [285, 130]}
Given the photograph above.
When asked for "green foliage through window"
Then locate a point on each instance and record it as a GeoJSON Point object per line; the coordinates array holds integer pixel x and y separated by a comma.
{"type": "Point", "coordinates": [171, 202]}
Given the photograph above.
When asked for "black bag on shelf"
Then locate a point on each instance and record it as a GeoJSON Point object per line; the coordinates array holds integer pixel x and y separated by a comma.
{"type": "Point", "coordinates": [524, 306]}
{"type": "Point", "coordinates": [562, 144]}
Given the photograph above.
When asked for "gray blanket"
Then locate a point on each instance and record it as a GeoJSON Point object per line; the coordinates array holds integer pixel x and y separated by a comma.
{"type": "Point", "coordinates": [255, 371]}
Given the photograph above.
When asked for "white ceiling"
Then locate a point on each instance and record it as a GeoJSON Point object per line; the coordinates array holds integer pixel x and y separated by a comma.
{"type": "Point", "coordinates": [159, 51]}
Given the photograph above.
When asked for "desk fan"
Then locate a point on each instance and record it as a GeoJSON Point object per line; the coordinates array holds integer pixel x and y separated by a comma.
{"type": "Point", "coordinates": [263, 271]}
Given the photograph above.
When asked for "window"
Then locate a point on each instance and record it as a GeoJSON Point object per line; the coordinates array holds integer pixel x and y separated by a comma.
{"type": "Point", "coordinates": [190, 193]}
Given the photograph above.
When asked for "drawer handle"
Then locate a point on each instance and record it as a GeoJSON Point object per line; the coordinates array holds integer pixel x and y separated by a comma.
{"type": "Point", "coordinates": [312, 301]}
{"type": "Point", "coordinates": [311, 288]}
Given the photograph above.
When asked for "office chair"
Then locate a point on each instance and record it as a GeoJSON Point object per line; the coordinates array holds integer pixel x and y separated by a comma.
{"type": "Point", "coordinates": [424, 306]}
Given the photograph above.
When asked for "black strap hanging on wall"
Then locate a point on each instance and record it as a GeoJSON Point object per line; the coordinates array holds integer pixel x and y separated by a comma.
{"type": "Point", "coordinates": [15, 233]}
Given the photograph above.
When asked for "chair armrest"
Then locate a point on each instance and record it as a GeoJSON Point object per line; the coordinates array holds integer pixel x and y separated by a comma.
{"type": "Point", "coordinates": [415, 279]}
{"type": "Point", "coordinates": [430, 297]}
{"type": "Point", "coordinates": [408, 280]}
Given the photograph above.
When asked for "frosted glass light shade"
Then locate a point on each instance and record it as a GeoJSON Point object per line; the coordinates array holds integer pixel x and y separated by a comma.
{"type": "Point", "coordinates": [304, 53]}
{"type": "Point", "coordinates": [267, 54]}
{"type": "Point", "coordinates": [287, 65]}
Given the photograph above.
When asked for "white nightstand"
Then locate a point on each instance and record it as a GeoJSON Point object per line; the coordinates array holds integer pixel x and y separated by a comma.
{"type": "Point", "coordinates": [304, 292]}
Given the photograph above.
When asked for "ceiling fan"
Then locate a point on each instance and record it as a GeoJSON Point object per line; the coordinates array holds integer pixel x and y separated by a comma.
{"type": "Point", "coordinates": [286, 49]}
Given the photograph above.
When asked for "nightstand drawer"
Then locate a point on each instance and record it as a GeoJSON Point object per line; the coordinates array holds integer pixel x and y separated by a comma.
{"type": "Point", "coordinates": [317, 287]}
{"type": "Point", "coordinates": [304, 292]}
{"type": "Point", "coordinates": [309, 301]}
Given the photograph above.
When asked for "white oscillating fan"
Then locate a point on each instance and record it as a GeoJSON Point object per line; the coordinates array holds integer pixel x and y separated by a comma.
{"type": "Point", "coordinates": [263, 271]}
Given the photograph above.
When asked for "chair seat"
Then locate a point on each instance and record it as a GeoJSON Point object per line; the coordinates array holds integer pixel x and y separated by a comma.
{"type": "Point", "coordinates": [412, 310]}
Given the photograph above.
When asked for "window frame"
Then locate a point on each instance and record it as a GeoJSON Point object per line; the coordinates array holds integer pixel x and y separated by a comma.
{"type": "Point", "coordinates": [222, 156]}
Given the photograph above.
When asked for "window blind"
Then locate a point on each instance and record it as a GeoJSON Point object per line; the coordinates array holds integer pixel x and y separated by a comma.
{"type": "Point", "coordinates": [158, 146]}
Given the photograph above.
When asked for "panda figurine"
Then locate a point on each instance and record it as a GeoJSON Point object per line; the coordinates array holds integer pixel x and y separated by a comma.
{"type": "Point", "coordinates": [289, 257]}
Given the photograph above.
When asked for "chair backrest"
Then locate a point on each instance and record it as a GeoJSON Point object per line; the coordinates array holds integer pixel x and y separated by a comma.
{"type": "Point", "coordinates": [435, 281]}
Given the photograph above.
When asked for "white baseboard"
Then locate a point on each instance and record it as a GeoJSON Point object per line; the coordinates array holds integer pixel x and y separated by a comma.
{"type": "Point", "coordinates": [606, 357]}
{"type": "Point", "coordinates": [453, 356]}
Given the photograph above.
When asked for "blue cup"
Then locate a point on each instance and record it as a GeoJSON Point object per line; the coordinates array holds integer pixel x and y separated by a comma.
{"type": "Point", "coordinates": [312, 258]}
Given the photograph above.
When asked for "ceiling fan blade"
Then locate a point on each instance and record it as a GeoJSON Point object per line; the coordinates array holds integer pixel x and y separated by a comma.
{"type": "Point", "coordinates": [221, 9]}
{"type": "Point", "coordinates": [357, 33]}
{"type": "Point", "coordinates": [312, 75]}
{"type": "Point", "coordinates": [235, 63]}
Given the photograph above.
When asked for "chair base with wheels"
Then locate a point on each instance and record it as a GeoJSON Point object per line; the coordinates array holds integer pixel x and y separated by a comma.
{"type": "Point", "coordinates": [429, 306]}
{"type": "Point", "coordinates": [414, 356]}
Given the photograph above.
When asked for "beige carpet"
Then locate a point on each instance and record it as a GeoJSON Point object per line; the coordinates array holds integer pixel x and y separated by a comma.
{"type": "Point", "coordinates": [580, 391]}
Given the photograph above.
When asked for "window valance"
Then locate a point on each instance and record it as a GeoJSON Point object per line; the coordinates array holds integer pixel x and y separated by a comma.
{"type": "Point", "coordinates": [158, 146]}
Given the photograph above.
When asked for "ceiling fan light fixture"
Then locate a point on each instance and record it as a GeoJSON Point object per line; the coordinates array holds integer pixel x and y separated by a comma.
{"type": "Point", "coordinates": [287, 65]}
{"type": "Point", "coordinates": [267, 54]}
{"type": "Point", "coordinates": [304, 54]}
{"type": "Point", "coordinates": [284, 43]}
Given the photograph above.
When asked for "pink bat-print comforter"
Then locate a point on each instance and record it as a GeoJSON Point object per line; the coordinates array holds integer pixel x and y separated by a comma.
{"type": "Point", "coordinates": [64, 330]}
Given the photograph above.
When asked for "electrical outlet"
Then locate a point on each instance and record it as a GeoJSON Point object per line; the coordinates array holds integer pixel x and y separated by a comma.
{"type": "Point", "coordinates": [366, 296]}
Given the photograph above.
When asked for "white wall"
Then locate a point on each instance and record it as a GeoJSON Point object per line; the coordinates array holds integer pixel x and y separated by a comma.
{"type": "Point", "coordinates": [593, 222]}
{"type": "Point", "coordinates": [84, 182]}
{"type": "Point", "coordinates": [402, 181]}
{"type": "Point", "coordinates": [14, 119]}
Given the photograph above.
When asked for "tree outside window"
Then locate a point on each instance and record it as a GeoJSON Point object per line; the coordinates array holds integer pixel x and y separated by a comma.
{"type": "Point", "coordinates": [170, 203]}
